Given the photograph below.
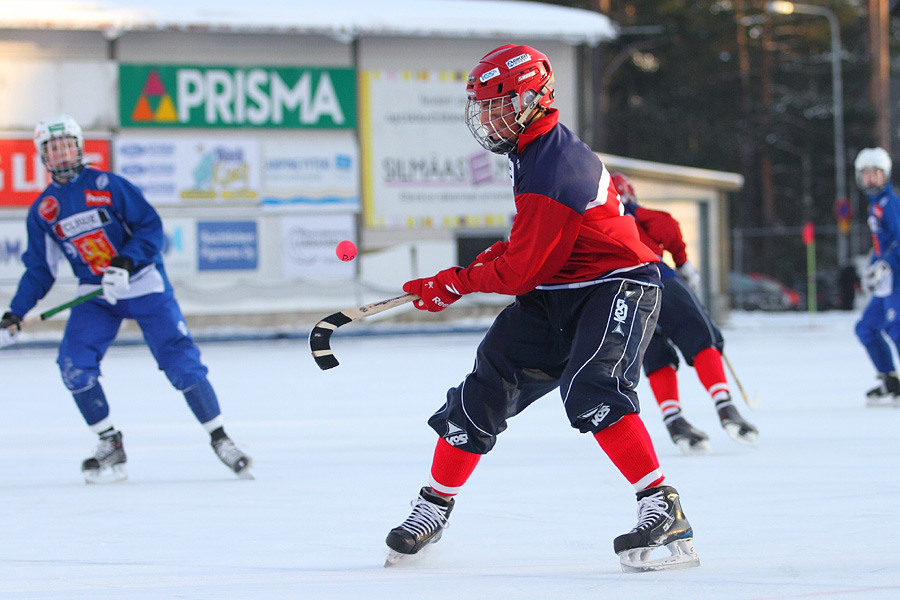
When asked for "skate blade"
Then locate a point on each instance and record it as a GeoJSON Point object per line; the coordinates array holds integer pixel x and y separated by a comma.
{"type": "Point", "coordinates": [683, 556]}
{"type": "Point", "coordinates": [398, 559]}
{"type": "Point", "coordinates": [113, 474]}
{"type": "Point", "coordinates": [883, 403]}
{"type": "Point", "coordinates": [702, 447]}
{"type": "Point", "coordinates": [734, 432]}
{"type": "Point", "coordinates": [245, 474]}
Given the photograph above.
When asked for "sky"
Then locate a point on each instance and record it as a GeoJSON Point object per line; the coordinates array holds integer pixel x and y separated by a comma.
{"type": "Point", "coordinates": [339, 455]}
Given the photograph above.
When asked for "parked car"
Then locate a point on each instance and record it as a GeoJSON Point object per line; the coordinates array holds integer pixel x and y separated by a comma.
{"type": "Point", "coordinates": [757, 291]}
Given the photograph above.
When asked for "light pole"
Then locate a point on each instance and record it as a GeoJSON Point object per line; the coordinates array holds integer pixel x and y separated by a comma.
{"type": "Point", "coordinates": [840, 173]}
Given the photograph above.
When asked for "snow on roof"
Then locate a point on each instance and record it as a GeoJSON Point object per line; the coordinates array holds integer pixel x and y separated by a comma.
{"type": "Point", "coordinates": [341, 19]}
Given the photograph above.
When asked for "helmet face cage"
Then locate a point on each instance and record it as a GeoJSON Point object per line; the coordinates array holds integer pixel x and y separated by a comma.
{"type": "Point", "coordinates": [493, 123]}
{"type": "Point", "coordinates": [872, 158]}
{"type": "Point", "coordinates": [60, 143]}
{"type": "Point", "coordinates": [504, 89]}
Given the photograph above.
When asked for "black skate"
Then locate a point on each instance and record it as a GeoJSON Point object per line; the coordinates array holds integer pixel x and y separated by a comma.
{"type": "Point", "coordinates": [232, 456]}
{"type": "Point", "coordinates": [887, 393]}
{"type": "Point", "coordinates": [660, 523]}
{"type": "Point", "coordinates": [687, 437]}
{"type": "Point", "coordinates": [734, 424]}
{"type": "Point", "coordinates": [422, 528]}
{"type": "Point", "coordinates": [107, 465]}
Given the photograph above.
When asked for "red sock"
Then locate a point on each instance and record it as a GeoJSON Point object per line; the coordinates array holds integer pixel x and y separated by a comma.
{"type": "Point", "coordinates": [711, 372]}
{"type": "Point", "coordinates": [629, 447]}
{"type": "Point", "coordinates": [450, 468]}
{"type": "Point", "coordinates": [664, 383]}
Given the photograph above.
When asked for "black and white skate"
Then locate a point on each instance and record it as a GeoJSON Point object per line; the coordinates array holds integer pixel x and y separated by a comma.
{"type": "Point", "coordinates": [661, 523]}
{"type": "Point", "coordinates": [887, 393]}
{"type": "Point", "coordinates": [107, 465]}
{"type": "Point", "coordinates": [423, 527]}
{"type": "Point", "coordinates": [734, 424]}
{"type": "Point", "coordinates": [687, 437]}
{"type": "Point", "coordinates": [232, 456]}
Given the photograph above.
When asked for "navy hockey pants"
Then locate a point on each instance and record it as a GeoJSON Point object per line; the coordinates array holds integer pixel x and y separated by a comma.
{"type": "Point", "coordinates": [588, 342]}
{"type": "Point", "coordinates": [683, 323]}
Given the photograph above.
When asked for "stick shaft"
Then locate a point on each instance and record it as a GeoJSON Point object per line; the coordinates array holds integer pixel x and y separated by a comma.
{"type": "Point", "coordinates": [737, 381]}
{"type": "Point", "coordinates": [58, 309]}
{"type": "Point", "coordinates": [320, 336]}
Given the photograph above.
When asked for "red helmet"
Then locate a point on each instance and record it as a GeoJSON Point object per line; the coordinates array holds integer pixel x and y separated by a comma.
{"type": "Point", "coordinates": [504, 89]}
{"type": "Point", "coordinates": [624, 187]}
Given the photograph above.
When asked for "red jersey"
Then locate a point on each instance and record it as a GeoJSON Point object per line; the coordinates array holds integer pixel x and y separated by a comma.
{"type": "Point", "coordinates": [569, 226]}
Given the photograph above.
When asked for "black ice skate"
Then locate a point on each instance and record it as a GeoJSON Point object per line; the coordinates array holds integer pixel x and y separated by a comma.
{"type": "Point", "coordinates": [422, 528]}
{"type": "Point", "coordinates": [107, 465]}
{"type": "Point", "coordinates": [232, 456]}
{"type": "Point", "coordinates": [687, 437]}
{"type": "Point", "coordinates": [885, 394]}
{"type": "Point", "coordinates": [734, 424]}
{"type": "Point", "coordinates": [660, 523]}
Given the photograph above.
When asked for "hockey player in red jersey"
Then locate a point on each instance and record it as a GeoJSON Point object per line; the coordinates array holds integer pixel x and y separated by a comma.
{"type": "Point", "coordinates": [587, 298]}
{"type": "Point", "coordinates": [684, 324]}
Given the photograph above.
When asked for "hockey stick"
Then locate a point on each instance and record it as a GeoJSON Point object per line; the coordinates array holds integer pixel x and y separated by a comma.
{"type": "Point", "coordinates": [320, 336]}
{"type": "Point", "coordinates": [752, 403]}
{"type": "Point", "coordinates": [58, 309]}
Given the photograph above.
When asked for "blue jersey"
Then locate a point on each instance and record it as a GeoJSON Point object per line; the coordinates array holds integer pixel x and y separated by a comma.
{"type": "Point", "coordinates": [884, 222]}
{"type": "Point", "coordinates": [88, 220]}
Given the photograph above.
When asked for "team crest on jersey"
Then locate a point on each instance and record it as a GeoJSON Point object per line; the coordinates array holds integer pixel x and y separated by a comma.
{"type": "Point", "coordinates": [81, 222]}
{"type": "Point", "coordinates": [95, 250]}
{"type": "Point", "coordinates": [878, 211]}
{"type": "Point", "coordinates": [49, 209]}
{"type": "Point", "coordinates": [102, 180]}
{"type": "Point", "coordinates": [98, 197]}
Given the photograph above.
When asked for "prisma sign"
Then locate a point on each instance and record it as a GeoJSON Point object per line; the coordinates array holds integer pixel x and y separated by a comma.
{"type": "Point", "coordinates": [213, 96]}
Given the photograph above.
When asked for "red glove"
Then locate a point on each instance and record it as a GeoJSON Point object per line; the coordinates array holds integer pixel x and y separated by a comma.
{"type": "Point", "coordinates": [438, 292]}
{"type": "Point", "coordinates": [492, 253]}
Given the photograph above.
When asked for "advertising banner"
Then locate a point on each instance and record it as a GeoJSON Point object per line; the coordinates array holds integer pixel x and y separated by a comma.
{"type": "Point", "coordinates": [227, 246]}
{"type": "Point", "coordinates": [309, 246]}
{"type": "Point", "coordinates": [314, 172]}
{"type": "Point", "coordinates": [23, 176]}
{"type": "Point", "coordinates": [190, 171]}
{"type": "Point", "coordinates": [232, 96]}
{"type": "Point", "coordinates": [13, 243]}
{"type": "Point", "coordinates": [424, 169]}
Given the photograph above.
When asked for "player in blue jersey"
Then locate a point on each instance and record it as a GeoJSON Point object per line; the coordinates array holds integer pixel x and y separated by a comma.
{"type": "Point", "coordinates": [882, 314]}
{"type": "Point", "coordinates": [112, 238]}
{"type": "Point", "coordinates": [587, 298]}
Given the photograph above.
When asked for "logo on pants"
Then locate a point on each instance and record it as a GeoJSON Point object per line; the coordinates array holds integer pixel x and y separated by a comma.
{"type": "Point", "coordinates": [619, 315]}
{"type": "Point", "coordinates": [595, 415]}
{"type": "Point", "coordinates": [456, 435]}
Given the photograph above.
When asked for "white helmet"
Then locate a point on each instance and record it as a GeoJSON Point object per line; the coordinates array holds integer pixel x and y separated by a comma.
{"type": "Point", "coordinates": [63, 158]}
{"type": "Point", "coordinates": [876, 158]}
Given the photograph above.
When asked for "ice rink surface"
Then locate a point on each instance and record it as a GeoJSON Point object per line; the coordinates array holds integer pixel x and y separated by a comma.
{"type": "Point", "coordinates": [811, 513]}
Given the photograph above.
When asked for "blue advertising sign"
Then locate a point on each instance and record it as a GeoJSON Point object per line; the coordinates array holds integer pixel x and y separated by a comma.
{"type": "Point", "coordinates": [227, 245]}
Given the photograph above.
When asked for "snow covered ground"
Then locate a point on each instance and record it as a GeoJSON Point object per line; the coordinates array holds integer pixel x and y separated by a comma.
{"type": "Point", "coordinates": [339, 455]}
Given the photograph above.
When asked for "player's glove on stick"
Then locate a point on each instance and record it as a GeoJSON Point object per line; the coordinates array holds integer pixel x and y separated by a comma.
{"type": "Point", "coordinates": [10, 326]}
{"type": "Point", "coordinates": [115, 279]}
{"type": "Point", "coordinates": [438, 292]}
{"type": "Point", "coordinates": [691, 275]}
